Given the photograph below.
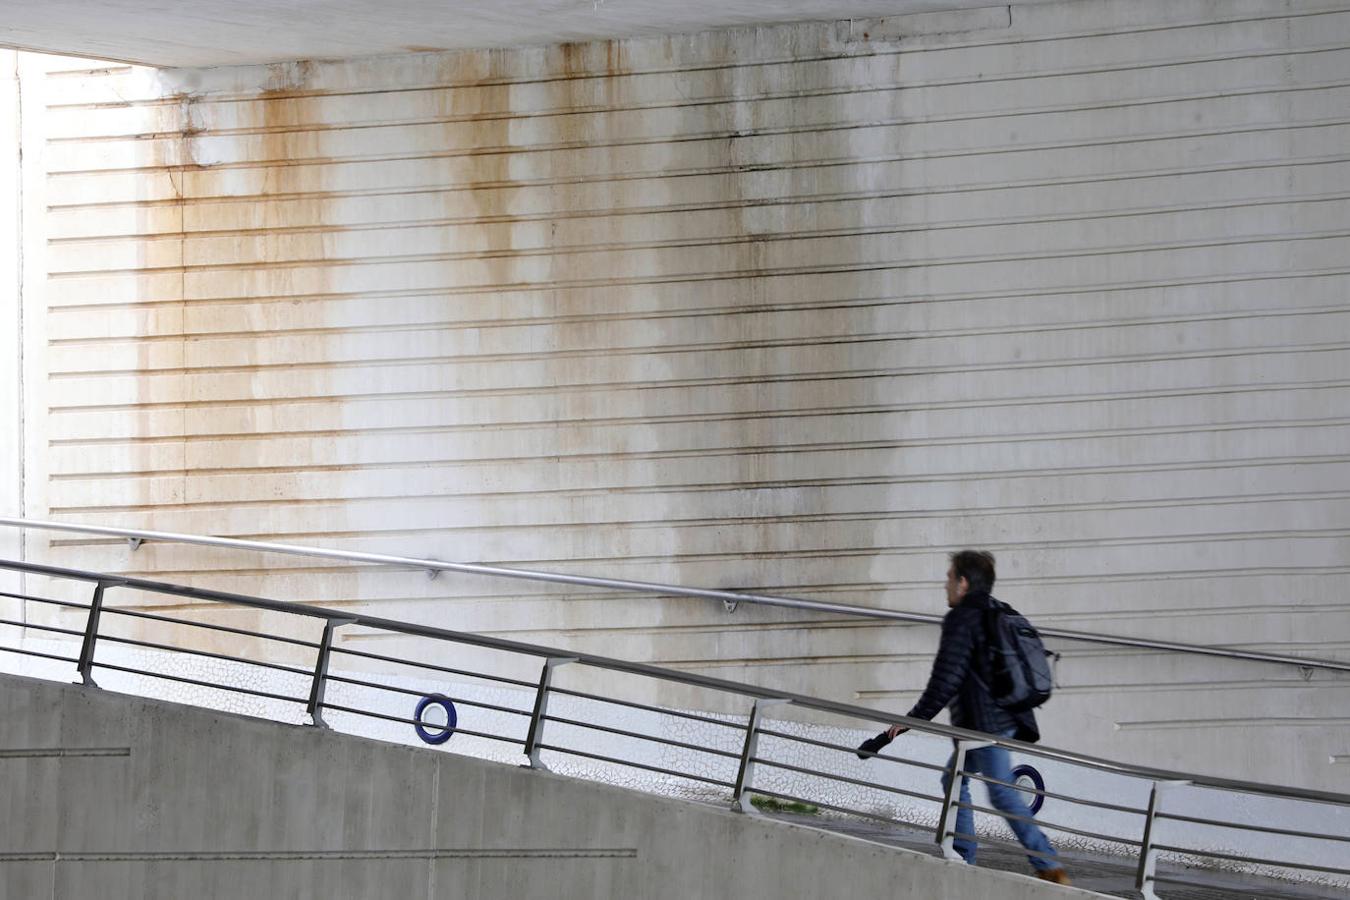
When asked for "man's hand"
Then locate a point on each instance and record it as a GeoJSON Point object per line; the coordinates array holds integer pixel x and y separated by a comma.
{"type": "Point", "coordinates": [895, 731]}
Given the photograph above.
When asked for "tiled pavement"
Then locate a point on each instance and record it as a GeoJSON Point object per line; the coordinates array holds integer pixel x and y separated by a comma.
{"type": "Point", "coordinates": [1109, 875]}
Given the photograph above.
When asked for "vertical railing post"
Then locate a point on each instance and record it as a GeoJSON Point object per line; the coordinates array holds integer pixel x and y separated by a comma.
{"type": "Point", "coordinates": [320, 683]}
{"type": "Point", "coordinates": [85, 664]}
{"type": "Point", "coordinates": [1148, 856]}
{"type": "Point", "coordinates": [740, 795]}
{"type": "Point", "coordinates": [946, 830]}
{"type": "Point", "coordinates": [536, 733]}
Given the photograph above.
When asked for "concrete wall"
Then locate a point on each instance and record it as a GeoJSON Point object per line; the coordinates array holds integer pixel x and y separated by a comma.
{"type": "Point", "coordinates": [797, 309]}
{"type": "Point", "coordinates": [129, 798]}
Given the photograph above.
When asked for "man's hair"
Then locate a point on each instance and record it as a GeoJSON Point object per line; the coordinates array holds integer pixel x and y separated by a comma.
{"type": "Point", "coordinates": [976, 567]}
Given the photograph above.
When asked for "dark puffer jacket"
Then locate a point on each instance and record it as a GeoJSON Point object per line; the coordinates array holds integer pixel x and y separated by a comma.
{"type": "Point", "coordinates": [960, 673]}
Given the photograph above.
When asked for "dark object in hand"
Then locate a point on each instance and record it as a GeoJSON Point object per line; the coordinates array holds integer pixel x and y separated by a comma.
{"type": "Point", "coordinates": [872, 746]}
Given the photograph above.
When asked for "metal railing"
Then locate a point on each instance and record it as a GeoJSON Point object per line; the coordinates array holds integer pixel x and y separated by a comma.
{"type": "Point", "coordinates": [731, 598]}
{"type": "Point", "coordinates": [738, 766]}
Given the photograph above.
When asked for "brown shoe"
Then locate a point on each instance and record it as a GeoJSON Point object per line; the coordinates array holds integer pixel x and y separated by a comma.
{"type": "Point", "coordinates": [1057, 876]}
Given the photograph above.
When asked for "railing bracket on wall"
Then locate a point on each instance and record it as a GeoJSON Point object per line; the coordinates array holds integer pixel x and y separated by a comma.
{"type": "Point", "coordinates": [669, 590]}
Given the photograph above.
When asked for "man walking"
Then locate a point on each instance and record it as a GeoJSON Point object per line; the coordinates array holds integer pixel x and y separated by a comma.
{"type": "Point", "coordinates": [959, 682]}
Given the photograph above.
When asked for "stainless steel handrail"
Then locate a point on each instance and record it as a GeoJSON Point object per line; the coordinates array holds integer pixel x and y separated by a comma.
{"type": "Point", "coordinates": [745, 783]}
{"type": "Point", "coordinates": [685, 678]}
{"type": "Point", "coordinates": [646, 587]}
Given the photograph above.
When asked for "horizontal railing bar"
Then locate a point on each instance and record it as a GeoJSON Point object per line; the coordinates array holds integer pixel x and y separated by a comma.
{"type": "Point", "coordinates": [642, 737]}
{"type": "Point", "coordinates": [433, 667]}
{"type": "Point", "coordinates": [197, 681]}
{"type": "Point", "coordinates": [69, 659]}
{"type": "Point", "coordinates": [411, 693]}
{"type": "Point", "coordinates": [1044, 823]}
{"type": "Point", "coordinates": [1232, 857]}
{"type": "Point", "coordinates": [656, 709]}
{"type": "Point", "coordinates": [53, 628]}
{"type": "Point", "coordinates": [630, 764]}
{"type": "Point", "coordinates": [769, 732]}
{"type": "Point", "coordinates": [207, 653]}
{"type": "Point", "coordinates": [457, 730]}
{"type": "Point", "coordinates": [1177, 879]}
{"type": "Point", "coordinates": [1054, 796]}
{"type": "Point", "coordinates": [136, 614]}
{"type": "Point", "coordinates": [478, 704]}
{"type": "Point", "coordinates": [66, 603]}
{"type": "Point", "coordinates": [176, 590]}
{"type": "Point", "coordinates": [1001, 843]}
{"type": "Point", "coordinates": [876, 817]}
{"type": "Point", "coordinates": [646, 587]}
{"type": "Point", "coordinates": [705, 681]}
{"type": "Point", "coordinates": [1243, 826]}
{"type": "Point", "coordinates": [844, 778]}
{"type": "Point", "coordinates": [975, 807]}
{"type": "Point", "coordinates": [1142, 772]}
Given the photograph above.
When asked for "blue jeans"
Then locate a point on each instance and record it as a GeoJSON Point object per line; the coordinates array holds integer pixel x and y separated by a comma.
{"type": "Point", "coordinates": [996, 762]}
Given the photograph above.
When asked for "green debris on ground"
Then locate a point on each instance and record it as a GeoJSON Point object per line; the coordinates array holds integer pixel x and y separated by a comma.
{"type": "Point", "coordinates": [773, 804]}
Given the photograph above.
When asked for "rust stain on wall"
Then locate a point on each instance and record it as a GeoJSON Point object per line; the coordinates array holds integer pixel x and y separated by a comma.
{"type": "Point", "coordinates": [266, 261]}
{"type": "Point", "coordinates": [473, 106]}
{"type": "Point", "coordinates": [588, 76]}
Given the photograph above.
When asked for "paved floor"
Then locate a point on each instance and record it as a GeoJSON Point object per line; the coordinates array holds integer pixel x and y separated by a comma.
{"type": "Point", "coordinates": [1102, 873]}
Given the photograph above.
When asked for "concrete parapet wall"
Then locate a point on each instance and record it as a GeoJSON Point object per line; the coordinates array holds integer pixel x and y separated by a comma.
{"type": "Point", "coordinates": [120, 797]}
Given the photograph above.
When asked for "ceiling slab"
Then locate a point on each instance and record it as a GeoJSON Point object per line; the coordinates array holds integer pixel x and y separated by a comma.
{"type": "Point", "coordinates": [200, 33]}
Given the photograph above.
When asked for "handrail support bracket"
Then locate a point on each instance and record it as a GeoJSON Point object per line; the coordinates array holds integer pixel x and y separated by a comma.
{"type": "Point", "coordinates": [1144, 879]}
{"type": "Point", "coordinates": [946, 830]}
{"type": "Point", "coordinates": [85, 664]}
{"type": "Point", "coordinates": [740, 795]}
{"type": "Point", "coordinates": [320, 682]}
{"type": "Point", "coordinates": [535, 735]}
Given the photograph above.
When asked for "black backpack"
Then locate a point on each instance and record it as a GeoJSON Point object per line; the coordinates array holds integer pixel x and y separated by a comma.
{"type": "Point", "coordinates": [1020, 674]}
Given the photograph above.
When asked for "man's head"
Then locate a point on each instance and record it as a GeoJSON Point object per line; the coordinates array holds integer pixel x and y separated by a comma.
{"type": "Point", "coordinates": [970, 571]}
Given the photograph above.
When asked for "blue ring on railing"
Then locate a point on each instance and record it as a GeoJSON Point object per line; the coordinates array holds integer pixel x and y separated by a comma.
{"type": "Point", "coordinates": [431, 732]}
{"type": "Point", "coordinates": [1030, 774]}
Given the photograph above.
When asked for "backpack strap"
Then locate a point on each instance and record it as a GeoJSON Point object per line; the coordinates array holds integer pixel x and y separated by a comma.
{"type": "Point", "coordinates": [988, 616]}
{"type": "Point", "coordinates": [982, 665]}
